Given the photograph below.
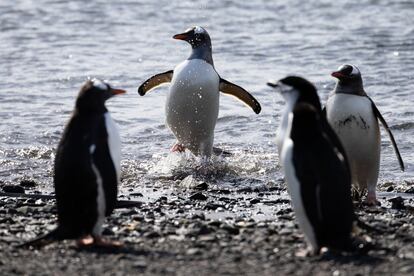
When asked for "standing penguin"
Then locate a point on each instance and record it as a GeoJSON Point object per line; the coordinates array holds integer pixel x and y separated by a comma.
{"type": "Point", "coordinates": [315, 168]}
{"type": "Point", "coordinates": [354, 117]}
{"type": "Point", "coordinates": [193, 101]}
{"type": "Point", "coordinates": [87, 169]}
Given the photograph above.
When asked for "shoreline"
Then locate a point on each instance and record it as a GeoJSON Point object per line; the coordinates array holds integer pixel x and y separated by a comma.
{"type": "Point", "coordinates": [204, 230]}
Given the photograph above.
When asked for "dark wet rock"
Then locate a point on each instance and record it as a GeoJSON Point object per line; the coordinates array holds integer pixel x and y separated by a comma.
{"type": "Point", "coordinates": [397, 203]}
{"type": "Point", "coordinates": [225, 199]}
{"type": "Point", "coordinates": [215, 223]}
{"type": "Point", "coordinates": [409, 190]}
{"type": "Point", "coordinates": [201, 186]}
{"type": "Point", "coordinates": [205, 230]}
{"type": "Point", "coordinates": [198, 196]}
{"type": "Point", "coordinates": [245, 190]}
{"type": "Point", "coordinates": [277, 201]}
{"type": "Point", "coordinates": [13, 189]}
{"type": "Point", "coordinates": [28, 183]}
{"type": "Point", "coordinates": [162, 199]}
{"type": "Point", "coordinates": [213, 206]}
{"type": "Point", "coordinates": [284, 211]}
{"type": "Point", "coordinates": [200, 216]}
{"type": "Point", "coordinates": [230, 229]}
{"type": "Point", "coordinates": [255, 200]}
{"type": "Point", "coordinates": [136, 194]}
{"type": "Point", "coordinates": [128, 213]}
{"type": "Point", "coordinates": [221, 191]}
{"type": "Point", "coordinates": [108, 232]}
{"type": "Point", "coordinates": [152, 235]}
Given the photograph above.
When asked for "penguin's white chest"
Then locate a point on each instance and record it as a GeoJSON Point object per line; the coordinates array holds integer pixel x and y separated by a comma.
{"type": "Point", "coordinates": [286, 146]}
{"type": "Point", "coordinates": [193, 103]}
{"type": "Point", "coordinates": [114, 143]}
{"type": "Point", "coordinates": [356, 125]}
{"type": "Point", "coordinates": [353, 119]}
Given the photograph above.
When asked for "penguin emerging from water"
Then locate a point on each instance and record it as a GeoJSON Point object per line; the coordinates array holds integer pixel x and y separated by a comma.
{"type": "Point", "coordinates": [354, 117]}
{"type": "Point", "coordinates": [87, 169]}
{"type": "Point", "coordinates": [315, 168]}
{"type": "Point", "coordinates": [193, 101]}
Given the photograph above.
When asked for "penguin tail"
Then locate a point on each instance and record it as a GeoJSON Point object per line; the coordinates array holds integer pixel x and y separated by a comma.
{"type": "Point", "coordinates": [54, 235]}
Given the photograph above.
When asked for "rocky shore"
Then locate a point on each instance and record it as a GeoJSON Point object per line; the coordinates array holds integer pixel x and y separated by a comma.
{"type": "Point", "coordinates": [189, 225]}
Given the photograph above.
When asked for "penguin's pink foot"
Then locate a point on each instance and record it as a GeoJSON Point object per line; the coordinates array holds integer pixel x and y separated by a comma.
{"type": "Point", "coordinates": [178, 148]}
{"type": "Point", "coordinates": [101, 242]}
{"type": "Point", "coordinates": [371, 199]}
{"type": "Point", "coordinates": [85, 241]}
{"type": "Point", "coordinates": [307, 252]}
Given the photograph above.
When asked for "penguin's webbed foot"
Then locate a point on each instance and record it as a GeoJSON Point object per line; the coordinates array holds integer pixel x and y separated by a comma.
{"type": "Point", "coordinates": [97, 241]}
{"type": "Point", "coordinates": [307, 252]}
{"type": "Point", "coordinates": [102, 242]}
{"type": "Point", "coordinates": [178, 148]}
{"type": "Point", "coordinates": [85, 241]}
{"type": "Point", "coordinates": [371, 199]}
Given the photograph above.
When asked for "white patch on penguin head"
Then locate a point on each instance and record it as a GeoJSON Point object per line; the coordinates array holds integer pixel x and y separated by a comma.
{"type": "Point", "coordinates": [199, 30]}
{"type": "Point", "coordinates": [347, 67]}
{"type": "Point", "coordinates": [355, 70]}
{"type": "Point", "coordinates": [99, 84]}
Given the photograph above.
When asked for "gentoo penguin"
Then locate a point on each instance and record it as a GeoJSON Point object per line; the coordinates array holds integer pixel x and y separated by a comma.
{"type": "Point", "coordinates": [87, 169]}
{"type": "Point", "coordinates": [315, 168]}
{"type": "Point", "coordinates": [354, 117]}
{"type": "Point", "coordinates": [193, 101]}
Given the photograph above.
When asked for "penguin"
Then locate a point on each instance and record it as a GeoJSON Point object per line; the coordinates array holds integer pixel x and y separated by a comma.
{"type": "Point", "coordinates": [192, 104]}
{"type": "Point", "coordinates": [354, 117]}
{"type": "Point", "coordinates": [315, 168]}
{"type": "Point", "coordinates": [86, 169]}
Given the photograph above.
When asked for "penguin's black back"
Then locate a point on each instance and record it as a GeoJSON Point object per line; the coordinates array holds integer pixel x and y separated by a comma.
{"type": "Point", "coordinates": [324, 178]}
{"type": "Point", "coordinates": [74, 178]}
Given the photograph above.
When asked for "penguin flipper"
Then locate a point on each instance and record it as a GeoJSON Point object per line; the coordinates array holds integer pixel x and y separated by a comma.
{"type": "Point", "coordinates": [155, 81]}
{"type": "Point", "coordinates": [385, 125]}
{"type": "Point", "coordinates": [42, 240]}
{"type": "Point", "coordinates": [240, 93]}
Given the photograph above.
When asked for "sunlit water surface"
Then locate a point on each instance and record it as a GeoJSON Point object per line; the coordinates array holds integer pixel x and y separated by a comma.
{"type": "Point", "coordinates": [49, 48]}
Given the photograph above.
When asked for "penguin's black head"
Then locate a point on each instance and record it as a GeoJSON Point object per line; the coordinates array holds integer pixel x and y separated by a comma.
{"type": "Point", "coordinates": [93, 94]}
{"type": "Point", "coordinates": [347, 72]}
{"type": "Point", "coordinates": [349, 80]}
{"type": "Point", "coordinates": [298, 90]}
{"type": "Point", "coordinates": [196, 36]}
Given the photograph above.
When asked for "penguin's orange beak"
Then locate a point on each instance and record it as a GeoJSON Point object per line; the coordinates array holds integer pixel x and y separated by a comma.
{"type": "Point", "coordinates": [182, 36]}
{"type": "Point", "coordinates": [338, 75]}
{"type": "Point", "coordinates": [117, 91]}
